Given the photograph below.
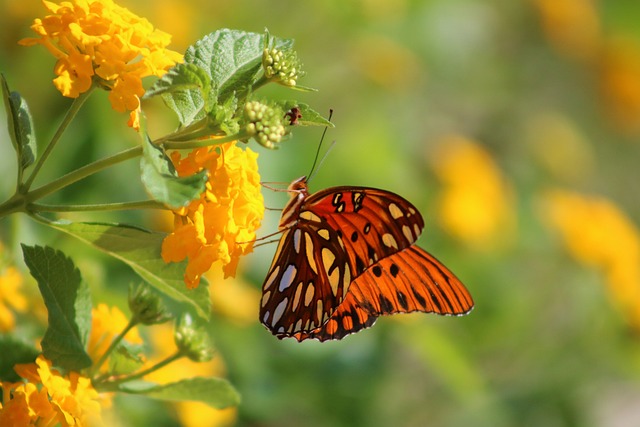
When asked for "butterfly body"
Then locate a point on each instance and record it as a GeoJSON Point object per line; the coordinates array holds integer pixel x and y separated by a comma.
{"type": "Point", "coordinates": [347, 256]}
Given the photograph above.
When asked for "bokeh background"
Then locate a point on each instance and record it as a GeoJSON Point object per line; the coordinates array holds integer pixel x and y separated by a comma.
{"type": "Point", "coordinates": [514, 126]}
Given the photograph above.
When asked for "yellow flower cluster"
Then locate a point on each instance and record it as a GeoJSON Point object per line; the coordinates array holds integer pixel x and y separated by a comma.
{"type": "Point", "coordinates": [99, 40]}
{"type": "Point", "coordinates": [47, 398]}
{"type": "Point", "coordinates": [221, 225]}
{"type": "Point", "coordinates": [475, 204]}
{"type": "Point", "coordinates": [11, 299]}
{"type": "Point", "coordinates": [598, 234]}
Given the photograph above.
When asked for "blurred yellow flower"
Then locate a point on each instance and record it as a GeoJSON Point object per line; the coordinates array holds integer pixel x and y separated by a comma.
{"type": "Point", "coordinates": [387, 63]}
{"type": "Point", "coordinates": [236, 300]}
{"type": "Point", "coordinates": [49, 398]}
{"type": "Point", "coordinates": [598, 234]}
{"type": "Point", "coordinates": [11, 298]}
{"type": "Point", "coordinates": [99, 39]}
{"type": "Point", "coordinates": [572, 26]}
{"type": "Point", "coordinates": [190, 414]}
{"type": "Point", "coordinates": [620, 83]}
{"type": "Point", "coordinates": [106, 324]}
{"type": "Point", "coordinates": [221, 225]}
{"type": "Point", "coordinates": [475, 204]}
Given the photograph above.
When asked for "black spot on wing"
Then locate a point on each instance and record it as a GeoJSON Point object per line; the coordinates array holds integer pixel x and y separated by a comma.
{"type": "Point", "coordinates": [354, 236]}
{"type": "Point", "coordinates": [385, 304]}
{"type": "Point", "coordinates": [394, 270]}
{"type": "Point", "coordinates": [377, 271]}
{"type": "Point", "coordinates": [402, 299]}
{"type": "Point", "coordinates": [360, 266]}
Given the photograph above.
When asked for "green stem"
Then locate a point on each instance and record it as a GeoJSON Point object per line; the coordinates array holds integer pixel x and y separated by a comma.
{"type": "Point", "coordinates": [141, 204]}
{"type": "Point", "coordinates": [174, 145]}
{"type": "Point", "coordinates": [73, 110]}
{"type": "Point", "coordinates": [113, 384]}
{"type": "Point", "coordinates": [95, 368]}
{"type": "Point", "coordinates": [82, 172]}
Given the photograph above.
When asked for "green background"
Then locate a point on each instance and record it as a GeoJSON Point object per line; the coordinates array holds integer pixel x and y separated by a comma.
{"type": "Point", "coordinates": [545, 344]}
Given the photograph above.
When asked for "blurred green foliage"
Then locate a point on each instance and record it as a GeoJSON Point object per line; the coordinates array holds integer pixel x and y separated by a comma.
{"type": "Point", "coordinates": [548, 93]}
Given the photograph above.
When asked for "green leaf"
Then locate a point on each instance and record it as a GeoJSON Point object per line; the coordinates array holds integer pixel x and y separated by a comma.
{"type": "Point", "coordinates": [140, 249]}
{"type": "Point", "coordinates": [310, 117]}
{"type": "Point", "coordinates": [232, 59]}
{"type": "Point", "coordinates": [161, 180]}
{"type": "Point", "coordinates": [20, 125]}
{"type": "Point", "coordinates": [68, 303]}
{"type": "Point", "coordinates": [125, 359]}
{"type": "Point", "coordinates": [12, 352]}
{"type": "Point", "coordinates": [181, 77]}
{"type": "Point", "coordinates": [215, 392]}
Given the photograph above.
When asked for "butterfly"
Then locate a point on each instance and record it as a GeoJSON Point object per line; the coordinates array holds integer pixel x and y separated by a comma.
{"type": "Point", "coordinates": [346, 257]}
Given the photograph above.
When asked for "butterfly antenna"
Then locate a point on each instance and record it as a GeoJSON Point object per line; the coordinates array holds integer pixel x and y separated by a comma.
{"type": "Point", "coordinates": [313, 170]}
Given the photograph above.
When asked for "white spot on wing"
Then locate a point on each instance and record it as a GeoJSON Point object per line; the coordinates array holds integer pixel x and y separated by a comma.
{"type": "Point", "coordinates": [279, 311]}
{"type": "Point", "coordinates": [287, 277]}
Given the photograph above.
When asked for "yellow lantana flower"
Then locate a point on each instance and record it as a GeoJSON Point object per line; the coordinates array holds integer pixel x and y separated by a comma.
{"type": "Point", "coordinates": [47, 397]}
{"type": "Point", "coordinates": [598, 234]}
{"type": "Point", "coordinates": [476, 204]}
{"type": "Point", "coordinates": [99, 40]}
{"type": "Point", "coordinates": [218, 225]}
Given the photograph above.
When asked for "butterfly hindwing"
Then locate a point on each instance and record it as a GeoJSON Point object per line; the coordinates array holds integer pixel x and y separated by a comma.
{"type": "Point", "coordinates": [410, 280]}
{"type": "Point", "coordinates": [307, 280]}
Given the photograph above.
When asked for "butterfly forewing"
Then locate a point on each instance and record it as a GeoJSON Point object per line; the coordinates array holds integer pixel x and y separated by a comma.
{"type": "Point", "coordinates": [307, 280]}
{"type": "Point", "coordinates": [374, 223]}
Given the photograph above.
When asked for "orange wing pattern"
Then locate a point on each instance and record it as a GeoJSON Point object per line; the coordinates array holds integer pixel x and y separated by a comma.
{"type": "Point", "coordinates": [346, 257]}
{"type": "Point", "coordinates": [410, 280]}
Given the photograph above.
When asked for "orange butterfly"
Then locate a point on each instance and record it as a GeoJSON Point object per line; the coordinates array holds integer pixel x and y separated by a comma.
{"type": "Point", "coordinates": [347, 256]}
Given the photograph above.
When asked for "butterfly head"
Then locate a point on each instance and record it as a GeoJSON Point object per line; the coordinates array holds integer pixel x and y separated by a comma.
{"type": "Point", "coordinates": [299, 192]}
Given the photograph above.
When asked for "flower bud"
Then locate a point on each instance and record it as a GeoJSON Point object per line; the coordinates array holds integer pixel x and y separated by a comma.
{"type": "Point", "coordinates": [146, 306]}
{"type": "Point", "coordinates": [264, 123]}
{"type": "Point", "coordinates": [193, 340]}
{"type": "Point", "coordinates": [282, 67]}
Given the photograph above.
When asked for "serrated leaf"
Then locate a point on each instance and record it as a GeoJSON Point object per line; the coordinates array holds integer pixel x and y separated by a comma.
{"type": "Point", "coordinates": [232, 59]}
{"type": "Point", "coordinates": [215, 392]}
{"type": "Point", "coordinates": [140, 249]}
{"type": "Point", "coordinates": [162, 182]}
{"type": "Point", "coordinates": [12, 352]}
{"type": "Point", "coordinates": [68, 303]}
{"type": "Point", "coordinates": [181, 77]}
{"type": "Point", "coordinates": [20, 124]}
